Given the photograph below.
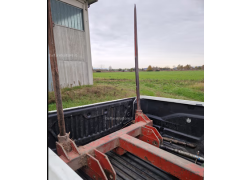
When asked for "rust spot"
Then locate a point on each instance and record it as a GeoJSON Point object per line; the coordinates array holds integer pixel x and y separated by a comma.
{"type": "Point", "coordinates": [147, 159]}
{"type": "Point", "coordinates": [67, 146]}
{"type": "Point", "coordinates": [108, 174]}
{"type": "Point", "coordinates": [154, 143]}
{"type": "Point", "coordinates": [83, 160]}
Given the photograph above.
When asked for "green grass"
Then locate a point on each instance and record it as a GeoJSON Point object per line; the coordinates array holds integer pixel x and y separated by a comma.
{"type": "Point", "coordinates": [188, 85]}
{"type": "Point", "coordinates": [154, 75]}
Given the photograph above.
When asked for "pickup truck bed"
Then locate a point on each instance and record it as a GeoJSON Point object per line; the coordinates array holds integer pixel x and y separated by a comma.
{"type": "Point", "coordinates": [180, 119]}
{"type": "Point", "coordinates": [129, 166]}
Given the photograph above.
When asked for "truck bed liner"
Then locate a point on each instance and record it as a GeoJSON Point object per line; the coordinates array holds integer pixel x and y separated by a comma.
{"type": "Point", "coordinates": [131, 167]}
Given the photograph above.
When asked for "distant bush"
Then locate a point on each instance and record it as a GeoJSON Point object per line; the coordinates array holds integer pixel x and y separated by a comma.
{"type": "Point", "coordinates": [98, 71]}
{"type": "Point", "coordinates": [149, 68]}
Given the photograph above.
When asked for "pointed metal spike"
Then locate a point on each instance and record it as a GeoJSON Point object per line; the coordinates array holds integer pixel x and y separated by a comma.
{"type": "Point", "coordinates": [136, 63]}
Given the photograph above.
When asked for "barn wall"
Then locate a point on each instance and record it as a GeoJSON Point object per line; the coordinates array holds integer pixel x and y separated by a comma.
{"type": "Point", "coordinates": [72, 41]}
{"type": "Point", "coordinates": [72, 56]}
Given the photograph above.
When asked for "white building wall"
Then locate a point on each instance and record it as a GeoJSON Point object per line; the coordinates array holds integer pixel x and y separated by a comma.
{"type": "Point", "coordinates": [73, 51]}
{"type": "Point", "coordinates": [72, 57]}
{"type": "Point", "coordinates": [87, 34]}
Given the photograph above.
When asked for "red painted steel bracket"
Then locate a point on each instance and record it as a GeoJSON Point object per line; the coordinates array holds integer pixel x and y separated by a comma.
{"type": "Point", "coordinates": [94, 168]}
{"type": "Point", "coordinates": [156, 133]}
{"type": "Point", "coordinates": [140, 139]}
{"type": "Point", "coordinates": [149, 136]}
{"type": "Point", "coordinates": [106, 165]}
{"type": "Point", "coordinates": [64, 154]}
{"type": "Point", "coordinates": [140, 117]}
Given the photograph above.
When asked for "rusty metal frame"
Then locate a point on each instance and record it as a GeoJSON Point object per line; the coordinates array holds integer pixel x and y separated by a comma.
{"type": "Point", "coordinates": [140, 139]}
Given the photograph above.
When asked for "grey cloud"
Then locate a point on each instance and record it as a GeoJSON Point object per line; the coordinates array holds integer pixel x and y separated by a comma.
{"type": "Point", "coordinates": [169, 32]}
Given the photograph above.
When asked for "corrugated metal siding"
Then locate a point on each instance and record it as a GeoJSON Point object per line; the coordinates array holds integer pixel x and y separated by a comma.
{"type": "Point", "coordinates": [50, 81]}
{"type": "Point", "coordinates": [72, 57]}
{"type": "Point", "coordinates": [72, 45]}
{"type": "Point", "coordinates": [67, 15]}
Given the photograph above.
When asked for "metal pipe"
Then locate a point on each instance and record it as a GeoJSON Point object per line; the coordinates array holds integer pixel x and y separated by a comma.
{"type": "Point", "coordinates": [136, 63]}
{"type": "Point", "coordinates": [55, 74]}
{"type": "Point", "coordinates": [183, 153]}
{"type": "Point", "coordinates": [179, 142]}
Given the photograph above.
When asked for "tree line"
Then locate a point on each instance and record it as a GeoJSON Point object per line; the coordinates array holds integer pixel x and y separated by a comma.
{"type": "Point", "coordinates": [180, 67]}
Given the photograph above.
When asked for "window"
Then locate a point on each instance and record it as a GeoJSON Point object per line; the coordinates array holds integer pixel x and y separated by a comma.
{"type": "Point", "coordinates": [67, 15]}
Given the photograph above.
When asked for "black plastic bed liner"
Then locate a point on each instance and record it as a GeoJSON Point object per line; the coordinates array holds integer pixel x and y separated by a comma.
{"type": "Point", "coordinates": [131, 167]}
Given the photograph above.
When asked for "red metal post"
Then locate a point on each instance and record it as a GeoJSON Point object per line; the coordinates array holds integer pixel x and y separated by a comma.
{"type": "Point", "coordinates": [136, 63]}
{"type": "Point", "coordinates": [55, 74]}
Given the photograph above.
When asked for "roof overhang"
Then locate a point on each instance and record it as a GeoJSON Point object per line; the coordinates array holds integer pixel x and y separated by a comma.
{"type": "Point", "coordinates": [91, 1]}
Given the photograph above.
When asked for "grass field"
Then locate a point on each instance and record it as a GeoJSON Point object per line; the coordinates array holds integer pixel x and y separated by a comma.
{"type": "Point", "coordinates": [188, 85]}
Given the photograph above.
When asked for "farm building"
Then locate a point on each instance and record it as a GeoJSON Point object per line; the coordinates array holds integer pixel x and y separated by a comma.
{"type": "Point", "coordinates": [72, 42]}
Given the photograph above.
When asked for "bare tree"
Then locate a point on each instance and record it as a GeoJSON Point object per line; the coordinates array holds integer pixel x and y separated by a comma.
{"type": "Point", "coordinates": [180, 67]}
{"type": "Point", "coordinates": [110, 68]}
{"type": "Point", "coordinates": [187, 67]}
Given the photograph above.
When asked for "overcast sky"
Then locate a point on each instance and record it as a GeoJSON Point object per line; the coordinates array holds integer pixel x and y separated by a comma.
{"type": "Point", "coordinates": [170, 32]}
